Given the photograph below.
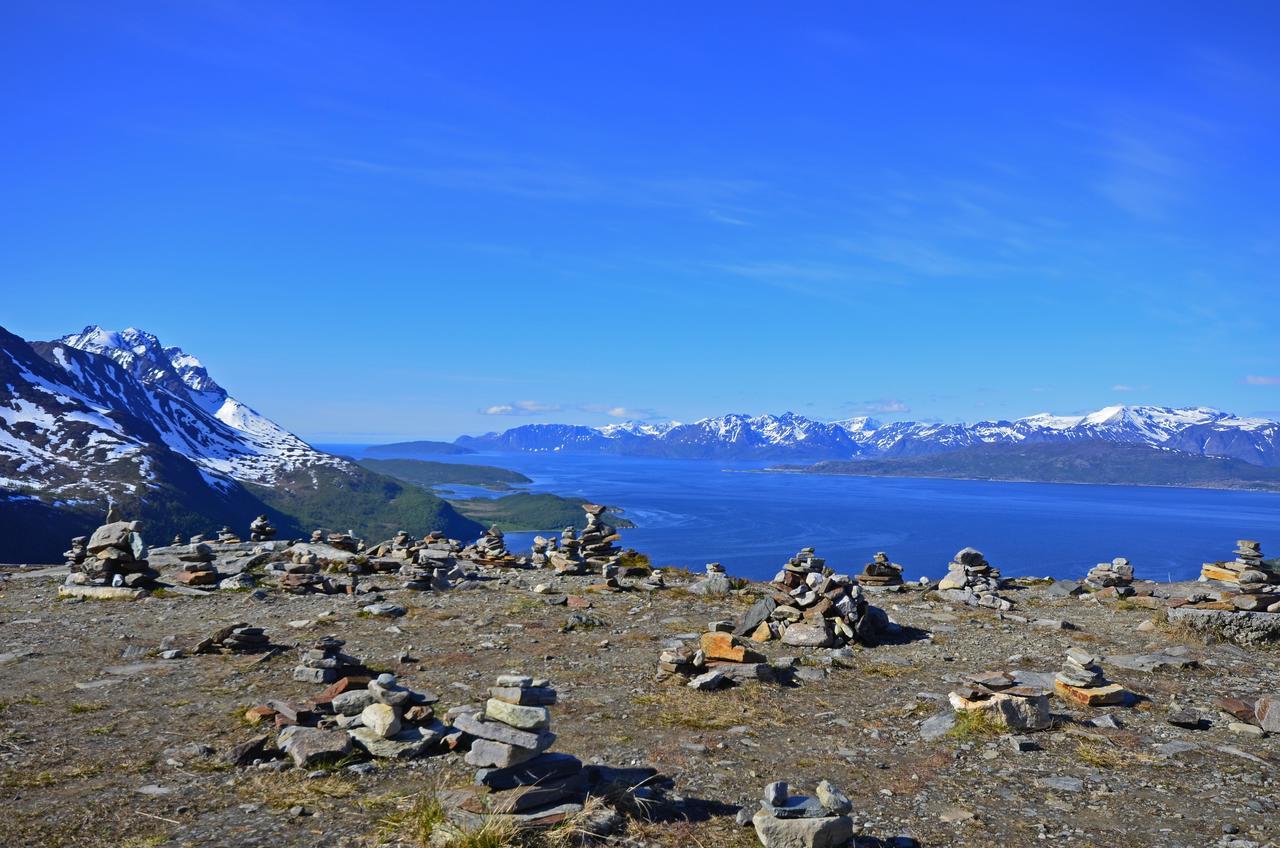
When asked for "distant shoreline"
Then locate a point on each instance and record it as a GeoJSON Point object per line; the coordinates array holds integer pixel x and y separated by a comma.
{"type": "Point", "coordinates": [802, 471]}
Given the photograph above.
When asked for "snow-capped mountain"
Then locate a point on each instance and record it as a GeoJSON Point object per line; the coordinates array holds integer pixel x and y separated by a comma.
{"type": "Point", "coordinates": [1195, 430]}
{"type": "Point", "coordinates": [102, 415]}
{"type": "Point", "coordinates": [193, 414]}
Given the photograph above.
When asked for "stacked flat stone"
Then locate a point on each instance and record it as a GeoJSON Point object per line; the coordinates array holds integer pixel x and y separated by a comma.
{"type": "Point", "coordinates": [972, 580]}
{"type": "Point", "coordinates": [438, 550]}
{"type": "Point", "coordinates": [538, 556]}
{"type": "Point", "coordinates": [800, 821]}
{"type": "Point", "coordinates": [719, 660]}
{"type": "Point", "coordinates": [1118, 573]}
{"type": "Point", "coordinates": [566, 558]}
{"type": "Point", "coordinates": [715, 583]}
{"type": "Point", "coordinates": [325, 662]}
{"type": "Point", "coordinates": [302, 574]}
{"type": "Point", "coordinates": [491, 548]}
{"type": "Point", "coordinates": [596, 544]}
{"type": "Point", "coordinates": [234, 638]}
{"type": "Point", "coordinates": [811, 606]}
{"type": "Point", "coordinates": [386, 719]}
{"type": "Point", "coordinates": [76, 554]}
{"type": "Point", "coordinates": [518, 778]}
{"type": "Point", "coordinates": [999, 696]}
{"type": "Point", "coordinates": [348, 541]}
{"type": "Point", "coordinates": [1248, 568]}
{"type": "Point", "coordinates": [114, 555]}
{"type": "Point", "coordinates": [1081, 681]}
{"type": "Point", "coordinates": [880, 572]}
{"type": "Point", "coordinates": [227, 536]}
{"type": "Point", "coordinates": [260, 530]}
{"type": "Point", "coordinates": [196, 568]}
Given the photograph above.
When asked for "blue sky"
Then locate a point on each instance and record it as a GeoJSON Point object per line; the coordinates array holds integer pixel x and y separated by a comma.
{"type": "Point", "coordinates": [375, 222]}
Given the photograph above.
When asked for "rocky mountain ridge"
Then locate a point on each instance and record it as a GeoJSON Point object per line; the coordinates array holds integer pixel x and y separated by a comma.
{"type": "Point", "coordinates": [1198, 431]}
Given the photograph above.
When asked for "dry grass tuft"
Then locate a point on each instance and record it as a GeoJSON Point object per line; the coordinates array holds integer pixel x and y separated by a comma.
{"type": "Point", "coordinates": [975, 724]}
{"type": "Point", "coordinates": [680, 706]}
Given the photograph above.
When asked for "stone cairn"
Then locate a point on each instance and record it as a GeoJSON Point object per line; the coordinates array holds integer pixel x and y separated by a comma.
{"type": "Point", "coordinates": [566, 557]}
{"type": "Point", "coordinates": [227, 536]}
{"type": "Point", "coordinates": [234, 639]}
{"type": "Point", "coordinates": [114, 555]}
{"type": "Point", "coordinates": [801, 821]}
{"type": "Point", "coordinates": [721, 659]}
{"type": "Point", "coordinates": [596, 544]}
{"type": "Point", "coordinates": [716, 582]}
{"type": "Point", "coordinates": [811, 606]}
{"type": "Point", "coordinates": [971, 580]}
{"type": "Point", "coordinates": [880, 572]}
{"type": "Point", "coordinates": [324, 662]}
{"type": "Point", "coordinates": [1248, 568]}
{"type": "Point", "coordinates": [518, 779]}
{"type": "Point", "coordinates": [197, 568]}
{"type": "Point", "coordinates": [1115, 574]}
{"type": "Point", "coordinates": [260, 530]}
{"type": "Point", "coordinates": [302, 574]}
{"type": "Point", "coordinates": [490, 549]}
{"type": "Point", "coordinates": [1004, 701]}
{"type": "Point", "coordinates": [1082, 682]}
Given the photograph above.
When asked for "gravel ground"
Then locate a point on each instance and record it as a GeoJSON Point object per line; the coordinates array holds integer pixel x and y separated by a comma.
{"type": "Point", "coordinates": [96, 731]}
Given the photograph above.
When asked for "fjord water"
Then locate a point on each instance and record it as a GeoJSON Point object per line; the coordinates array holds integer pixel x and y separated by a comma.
{"type": "Point", "coordinates": [691, 512]}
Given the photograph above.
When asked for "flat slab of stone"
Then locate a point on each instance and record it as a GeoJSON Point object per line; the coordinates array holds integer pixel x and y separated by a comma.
{"type": "Point", "coordinates": [101, 593]}
{"type": "Point", "coordinates": [1246, 628]}
{"type": "Point", "coordinates": [1150, 662]}
{"type": "Point", "coordinates": [408, 743]}
{"type": "Point", "coordinates": [825, 832]}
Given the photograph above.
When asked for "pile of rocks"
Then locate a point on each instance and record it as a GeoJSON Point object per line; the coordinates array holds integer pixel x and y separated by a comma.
{"type": "Point", "coordinates": [972, 580]}
{"type": "Point", "coordinates": [490, 549]}
{"type": "Point", "coordinates": [721, 659]}
{"type": "Point", "coordinates": [800, 821]}
{"type": "Point", "coordinates": [387, 719]}
{"type": "Point", "coordinates": [1117, 573]}
{"type": "Point", "coordinates": [811, 606]}
{"type": "Point", "coordinates": [880, 572]}
{"type": "Point", "coordinates": [539, 558]}
{"type": "Point", "coordinates": [227, 536]}
{"type": "Point", "coordinates": [518, 779]}
{"type": "Point", "coordinates": [715, 583]}
{"type": "Point", "coordinates": [566, 558]}
{"type": "Point", "coordinates": [196, 567]}
{"type": "Point", "coordinates": [114, 555]}
{"type": "Point", "coordinates": [260, 530]}
{"type": "Point", "coordinates": [596, 544]}
{"type": "Point", "coordinates": [1082, 682]}
{"type": "Point", "coordinates": [1248, 568]}
{"type": "Point", "coordinates": [233, 639]}
{"type": "Point", "coordinates": [1003, 700]}
{"type": "Point", "coordinates": [76, 554]}
{"type": "Point", "coordinates": [325, 662]}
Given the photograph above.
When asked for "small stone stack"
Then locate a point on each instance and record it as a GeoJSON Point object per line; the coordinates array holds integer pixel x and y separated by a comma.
{"type": "Point", "coordinates": [720, 660]}
{"type": "Point", "coordinates": [1248, 568]}
{"type": "Point", "coordinates": [811, 606]}
{"type": "Point", "coordinates": [518, 780]}
{"type": "Point", "coordinates": [971, 580]}
{"type": "Point", "coordinates": [596, 544]}
{"type": "Point", "coordinates": [347, 541]}
{"type": "Point", "coordinates": [302, 573]}
{"type": "Point", "coordinates": [1082, 682]}
{"type": "Point", "coordinates": [114, 555]}
{"type": "Point", "coordinates": [880, 572]}
{"type": "Point", "coordinates": [715, 583]}
{"type": "Point", "coordinates": [1006, 703]}
{"type": "Point", "coordinates": [227, 536]}
{"type": "Point", "coordinates": [324, 662]}
{"type": "Point", "coordinates": [538, 558]}
{"type": "Point", "coordinates": [76, 554]}
{"type": "Point", "coordinates": [491, 548]}
{"type": "Point", "coordinates": [1117, 573]}
{"type": "Point", "coordinates": [566, 558]}
{"type": "Point", "coordinates": [387, 719]}
{"type": "Point", "coordinates": [438, 550]}
{"type": "Point", "coordinates": [234, 638]}
{"type": "Point", "coordinates": [197, 567]}
{"type": "Point", "coordinates": [799, 821]}
{"type": "Point", "coordinates": [260, 530]}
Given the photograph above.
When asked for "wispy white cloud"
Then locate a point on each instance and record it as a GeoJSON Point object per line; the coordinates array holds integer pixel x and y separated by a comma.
{"type": "Point", "coordinates": [1262, 380]}
{"type": "Point", "coordinates": [1121, 387]}
{"type": "Point", "coordinates": [621, 412]}
{"type": "Point", "coordinates": [880, 406]}
{"type": "Point", "coordinates": [521, 407]}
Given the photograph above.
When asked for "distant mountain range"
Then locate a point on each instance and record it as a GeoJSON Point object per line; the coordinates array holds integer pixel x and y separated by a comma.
{"type": "Point", "coordinates": [1196, 431]}
{"type": "Point", "coordinates": [101, 415]}
{"type": "Point", "coordinates": [1096, 462]}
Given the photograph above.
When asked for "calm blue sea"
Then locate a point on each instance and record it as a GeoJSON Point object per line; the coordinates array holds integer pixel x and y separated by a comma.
{"type": "Point", "coordinates": [690, 512]}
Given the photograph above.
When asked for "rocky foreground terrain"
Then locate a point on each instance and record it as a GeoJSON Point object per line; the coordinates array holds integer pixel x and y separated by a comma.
{"type": "Point", "coordinates": [103, 741]}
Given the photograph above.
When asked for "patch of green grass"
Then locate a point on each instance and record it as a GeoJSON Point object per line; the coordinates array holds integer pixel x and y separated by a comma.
{"type": "Point", "coordinates": [1098, 755]}
{"type": "Point", "coordinates": [22, 701]}
{"type": "Point", "coordinates": [975, 724]}
{"type": "Point", "coordinates": [77, 708]}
